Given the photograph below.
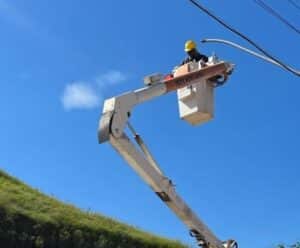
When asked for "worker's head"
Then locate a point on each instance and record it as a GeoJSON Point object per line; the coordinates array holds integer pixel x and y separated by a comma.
{"type": "Point", "coordinates": [189, 46]}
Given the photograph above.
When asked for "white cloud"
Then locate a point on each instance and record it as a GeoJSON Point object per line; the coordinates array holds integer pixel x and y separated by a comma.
{"type": "Point", "coordinates": [88, 95]}
{"type": "Point", "coordinates": [80, 95]}
{"type": "Point", "coordinates": [110, 78]}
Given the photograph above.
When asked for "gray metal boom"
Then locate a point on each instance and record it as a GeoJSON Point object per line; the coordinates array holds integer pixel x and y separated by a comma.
{"type": "Point", "coordinates": [112, 124]}
{"type": "Point", "coordinates": [164, 188]}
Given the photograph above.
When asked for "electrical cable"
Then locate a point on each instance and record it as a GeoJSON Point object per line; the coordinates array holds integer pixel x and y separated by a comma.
{"type": "Point", "coordinates": [276, 14]}
{"type": "Point", "coordinates": [295, 72]}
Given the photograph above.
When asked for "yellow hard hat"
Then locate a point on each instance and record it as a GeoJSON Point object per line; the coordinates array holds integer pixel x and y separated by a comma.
{"type": "Point", "coordinates": [189, 45]}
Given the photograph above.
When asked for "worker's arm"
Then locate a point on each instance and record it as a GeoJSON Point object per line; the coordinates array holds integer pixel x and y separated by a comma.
{"type": "Point", "coordinates": [203, 57]}
{"type": "Point", "coordinates": [186, 60]}
{"type": "Point", "coordinates": [195, 57]}
{"type": "Point", "coordinates": [199, 56]}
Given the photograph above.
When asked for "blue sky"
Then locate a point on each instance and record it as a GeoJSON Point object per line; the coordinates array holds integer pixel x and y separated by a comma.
{"type": "Point", "coordinates": [239, 172]}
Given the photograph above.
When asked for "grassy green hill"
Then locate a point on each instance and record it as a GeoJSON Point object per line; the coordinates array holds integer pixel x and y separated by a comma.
{"type": "Point", "coordinates": [29, 218]}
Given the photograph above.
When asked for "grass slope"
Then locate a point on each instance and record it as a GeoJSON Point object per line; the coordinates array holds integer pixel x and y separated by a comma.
{"type": "Point", "coordinates": [28, 218]}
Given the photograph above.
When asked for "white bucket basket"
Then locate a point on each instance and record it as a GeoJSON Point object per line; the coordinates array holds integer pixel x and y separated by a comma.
{"type": "Point", "coordinates": [196, 102]}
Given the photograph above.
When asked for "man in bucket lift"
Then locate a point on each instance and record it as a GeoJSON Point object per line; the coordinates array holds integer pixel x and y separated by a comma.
{"type": "Point", "coordinates": [193, 54]}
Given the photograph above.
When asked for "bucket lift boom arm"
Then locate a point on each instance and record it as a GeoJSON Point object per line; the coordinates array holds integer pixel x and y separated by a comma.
{"type": "Point", "coordinates": [112, 126]}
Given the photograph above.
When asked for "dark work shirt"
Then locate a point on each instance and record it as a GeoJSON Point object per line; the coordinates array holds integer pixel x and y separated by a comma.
{"type": "Point", "coordinates": [194, 55]}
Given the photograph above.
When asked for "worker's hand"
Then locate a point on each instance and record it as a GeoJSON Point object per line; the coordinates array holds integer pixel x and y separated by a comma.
{"type": "Point", "coordinates": [202, 63]}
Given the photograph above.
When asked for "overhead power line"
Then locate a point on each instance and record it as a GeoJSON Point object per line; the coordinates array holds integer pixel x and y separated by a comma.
{"type": "Point", "coordinates": [276, 14]}
{"type": "Point", "coordinates": [297, 6]}
{"type": "Point", "coordinates": [219, 20]}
